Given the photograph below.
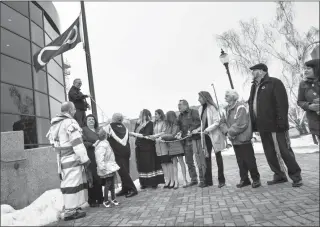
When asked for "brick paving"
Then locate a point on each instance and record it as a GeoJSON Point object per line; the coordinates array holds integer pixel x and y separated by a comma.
{"type": "Point", "coordinates": [276, 205]}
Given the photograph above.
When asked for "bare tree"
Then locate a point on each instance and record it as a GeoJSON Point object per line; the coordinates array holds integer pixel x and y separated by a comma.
{"type": "Point", "coordinates": [245, 45]}
{"type": "Point", "coordinates": [278, 40]}
{"type": "Point", "coordinates": [286, 44]}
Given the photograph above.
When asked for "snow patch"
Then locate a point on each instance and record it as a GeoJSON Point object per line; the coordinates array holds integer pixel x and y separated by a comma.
{"type": "Point", "coordinates": [44, 210]}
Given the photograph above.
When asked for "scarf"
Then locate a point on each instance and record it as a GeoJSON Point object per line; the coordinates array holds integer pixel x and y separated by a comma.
{"type": "Point", "coordinates": [141, 125]}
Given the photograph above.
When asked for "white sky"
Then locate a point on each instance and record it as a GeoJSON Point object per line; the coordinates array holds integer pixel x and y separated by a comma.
{"type": "Point", "coordinates": [151, 54]}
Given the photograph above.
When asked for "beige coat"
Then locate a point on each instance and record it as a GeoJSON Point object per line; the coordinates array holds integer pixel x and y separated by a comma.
{"type": "Point", "coordinates": [217, 138]}
{"type": "Point", "coordinates": [106, 164]}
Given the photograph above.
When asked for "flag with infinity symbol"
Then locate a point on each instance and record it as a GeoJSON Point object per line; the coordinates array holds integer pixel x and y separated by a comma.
{"type": "Point", "coordinates": [67, 41]}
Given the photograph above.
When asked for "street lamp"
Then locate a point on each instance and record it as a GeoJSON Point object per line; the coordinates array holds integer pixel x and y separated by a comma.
{"type": "Point", "coordinates": [224, 58]}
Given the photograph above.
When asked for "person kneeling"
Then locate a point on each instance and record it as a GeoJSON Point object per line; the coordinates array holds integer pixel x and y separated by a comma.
{"type": "Point", "coordinates": [237, 125]}
{"type": "Point", "coordinates": [106, 167]}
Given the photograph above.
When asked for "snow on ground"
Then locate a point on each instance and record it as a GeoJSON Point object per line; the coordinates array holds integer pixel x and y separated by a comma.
{"type": "Point", "coordinates": [303, 144]}
{"type": "Point", "coordinates": [44, 210]}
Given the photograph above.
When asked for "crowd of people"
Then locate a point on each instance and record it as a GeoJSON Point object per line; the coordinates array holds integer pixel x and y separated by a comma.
{"type": "Point", "coordinates": [91, 155]}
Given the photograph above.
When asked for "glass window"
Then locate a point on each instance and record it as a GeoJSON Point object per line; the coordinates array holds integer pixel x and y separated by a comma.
{"type": "Point", "coordinates": [20, 6]}
{"type": "Point", "coordinates": [42, 104]}
{"type": "Point", "coordinates": [58, 60]}
{"type": "Point", "coordinates": [43, 126]}
{"type": "Point", "coordinates": [14, 21]}
{"type": "Point", "coordinates": [47, 39]}
{"type": "Point", "coordinates": [15, 72]}
{"type": "Point", "coordinates": [16, 100]}
{"type": "Point", "coordinates": [56, 90]}
{"type": "Point", "coordinates": [15, 46]}
{"type": "Point", "coordinates": [40, 81]}
{"type": "Point", "coordinates": [35, 49]}
{"type": "Point", "coordinates": [55, 71]}
{"type": "Point", "coordinates": [37, 34]}
{"type": "Point", "coordinates": [49, 30]}
{"type": "Point", "coordinates": [55, 107]}
{"type": "Point", "coordinates": [36, 15]}
{"type": "Point", "coordinates": [27, 124]}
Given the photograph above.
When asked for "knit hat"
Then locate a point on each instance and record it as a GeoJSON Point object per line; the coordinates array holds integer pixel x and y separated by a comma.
{"type": "Point", "coordinates": [313, 63]}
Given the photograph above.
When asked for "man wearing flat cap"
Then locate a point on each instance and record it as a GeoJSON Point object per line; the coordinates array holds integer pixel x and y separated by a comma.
{"type": "Point", "coordinates": [118, 137]}
{"type": "Point", "coordinates": [308, 95]}
{"type": "Point", "coordinates": [268, 103]}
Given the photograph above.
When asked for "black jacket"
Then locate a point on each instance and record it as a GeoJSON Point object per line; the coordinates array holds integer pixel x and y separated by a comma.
{"type": "Point", "coordinates": [78, 99]}
{"type": "Point", "coordinates": [272, 106]}
{"type": "Point", "coordinates": [119, 151]}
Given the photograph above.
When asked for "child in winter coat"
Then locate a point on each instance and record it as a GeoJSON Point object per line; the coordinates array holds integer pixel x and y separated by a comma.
{"type": "Point", "coordinates": [106, 167]}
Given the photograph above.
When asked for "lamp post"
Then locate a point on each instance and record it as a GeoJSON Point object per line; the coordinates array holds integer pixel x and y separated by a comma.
{"type": "Point", "coordinates": [224, 58]}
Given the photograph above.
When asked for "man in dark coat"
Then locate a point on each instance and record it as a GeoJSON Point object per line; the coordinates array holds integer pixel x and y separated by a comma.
{"type": "Point", "coordinates": [268, 103]}
{"type": "Point", "coordinates": [119, 142]}
{"type": "Point", "coordinates": [79, 100]}
{"type": "Point", "coordinates": [188, 121]}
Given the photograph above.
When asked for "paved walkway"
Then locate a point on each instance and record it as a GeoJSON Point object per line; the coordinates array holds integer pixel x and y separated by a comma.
{"type": "Point", "coordinates": [277, 205]}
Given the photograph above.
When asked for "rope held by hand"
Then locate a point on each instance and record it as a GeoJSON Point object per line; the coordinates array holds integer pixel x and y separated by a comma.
{"type": "Point", "coordinates": [171, 141]}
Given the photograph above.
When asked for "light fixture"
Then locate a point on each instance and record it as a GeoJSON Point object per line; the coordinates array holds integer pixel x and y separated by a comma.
{"type": "Point", "coordinates": [224, 57]}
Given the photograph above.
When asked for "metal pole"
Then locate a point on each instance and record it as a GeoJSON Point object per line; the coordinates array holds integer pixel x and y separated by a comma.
{"type": "Point", "coordinates": [88, 60]}
{"type": "Point", "coordinates": [215, 94]}
{"type": "Point", "coordinates": [228, 72]}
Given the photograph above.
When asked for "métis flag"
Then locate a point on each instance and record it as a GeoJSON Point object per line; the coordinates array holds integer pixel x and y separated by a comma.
{"type": "Point", "coordinates": [67, 41]}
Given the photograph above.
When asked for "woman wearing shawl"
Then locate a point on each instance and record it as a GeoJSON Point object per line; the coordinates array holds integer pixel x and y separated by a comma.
{"type": "Point", "coordinates": [212, 138]}
{"type": "Point", "coordinates": [148, 165]}
{"type": "Point", "coordinates": [118, 137]}
{"type": "Point", "coordinates": [162, 149]}
{"type": "Point", "coordinates": [90, 136]}
{"type": "Point", "coordinates": [308, 96]}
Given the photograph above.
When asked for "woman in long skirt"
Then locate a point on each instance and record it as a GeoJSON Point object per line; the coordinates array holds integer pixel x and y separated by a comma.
{"type": "Point", "coordinates": [148, 164]}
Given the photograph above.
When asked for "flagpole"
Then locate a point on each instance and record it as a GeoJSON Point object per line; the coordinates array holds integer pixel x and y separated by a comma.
{"type": "Point", "coordinates": [88, 59]}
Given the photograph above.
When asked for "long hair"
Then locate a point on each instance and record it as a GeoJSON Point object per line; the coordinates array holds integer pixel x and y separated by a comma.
{"type": "Point", "coordinates": [208, 98]}
{"type": "Point", "coordinates": [147, 113]}
{"type": "Point", "coordinates": [171, 118]}
{"type": "Point", "coordinates": [161, 113]}
{"type": "Point", "coordinates": [96, 124]}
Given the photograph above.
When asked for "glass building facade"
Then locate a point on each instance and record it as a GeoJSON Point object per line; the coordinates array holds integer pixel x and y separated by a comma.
{"type": "Point", "coordinates": [29, 99]}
